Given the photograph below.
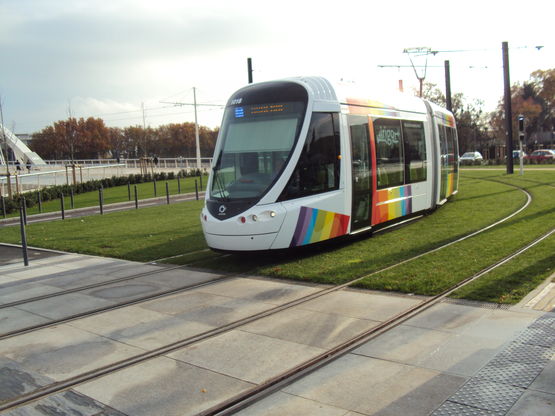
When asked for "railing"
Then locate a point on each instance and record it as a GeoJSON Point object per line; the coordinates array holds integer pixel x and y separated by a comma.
{"type": "Point", "coordinates": [33, 181]}
{"type": "Point", "coordinates": [165, 162]}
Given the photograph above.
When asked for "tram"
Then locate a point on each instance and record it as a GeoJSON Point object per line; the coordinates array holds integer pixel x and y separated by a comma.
{"type": "Point", "coordinates": [299, 161]}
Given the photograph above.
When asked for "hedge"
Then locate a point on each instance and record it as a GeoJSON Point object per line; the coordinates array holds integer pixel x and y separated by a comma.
{"type": "Point", "coordinates": [54, 192]}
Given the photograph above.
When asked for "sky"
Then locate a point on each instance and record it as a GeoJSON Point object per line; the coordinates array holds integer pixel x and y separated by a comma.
{"type": "Point", "coordinates": [109, 59]}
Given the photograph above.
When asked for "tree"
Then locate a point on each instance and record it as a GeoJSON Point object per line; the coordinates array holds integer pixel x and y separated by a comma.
{"type": "Point", "coordinates": [535, 100]}
{"type": "Point", "coordinates": [472, 123]}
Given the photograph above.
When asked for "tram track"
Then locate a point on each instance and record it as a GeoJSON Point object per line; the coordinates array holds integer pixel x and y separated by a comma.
{"type": "Point", "coordinates": [274, 383]}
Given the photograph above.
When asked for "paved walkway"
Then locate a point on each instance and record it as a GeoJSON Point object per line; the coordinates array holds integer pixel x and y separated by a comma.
{"type": "Point", "coordinates": [458, 358]}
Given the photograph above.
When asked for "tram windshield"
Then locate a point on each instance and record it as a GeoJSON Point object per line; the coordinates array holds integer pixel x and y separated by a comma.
{"type": "Point", "coordinates": [257, 141]}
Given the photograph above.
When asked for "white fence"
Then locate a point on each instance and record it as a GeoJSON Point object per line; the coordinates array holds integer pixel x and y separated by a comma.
{"type": "Point", "coordinates": [163, 163]}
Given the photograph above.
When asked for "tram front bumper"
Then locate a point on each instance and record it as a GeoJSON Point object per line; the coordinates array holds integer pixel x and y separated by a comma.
{"type": "Point", "coordinates": [240, 242]}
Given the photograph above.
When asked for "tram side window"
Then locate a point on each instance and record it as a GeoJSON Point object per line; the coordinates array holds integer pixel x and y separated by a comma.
{"type": "Point", "coordinates": [452, 145]}
{"type": "Point", "coordinates": [389, 153]}
{"type": "Point", "coordinates": [318, 167]}
{"type": "Point", "coordinates": [415, 151]}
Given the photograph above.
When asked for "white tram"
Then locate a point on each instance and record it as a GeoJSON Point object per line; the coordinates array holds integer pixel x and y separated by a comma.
{"type": "Point", "coordinates": [299, 161]}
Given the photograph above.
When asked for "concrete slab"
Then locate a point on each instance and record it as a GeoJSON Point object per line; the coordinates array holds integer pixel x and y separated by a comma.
{"type": "Point", "coordinates": [163, 386]}
{"type": "Point", "coordinates": [14, 380]}
{"type": "Point", "coordinates": [224, 311]}
{"type": "Point", "coordinates": [140, 327]}
{"type": "Point", "coordinates": [361, 305]}
{"type": "Point", "coordinates": [262, 290]}
{"type": "Point", "coordinates": [65, 305]}
{"type": "Point", "coordinates": [534, 403]}
{"type": "Point", "coordinates": [180, 277]}
{"type": "Point", "coordinates": [62, 352]}
{"type": "Point", "coordinates": [323, 330]}
{"type": "Point", "coordinates": [24, 291]}
{"type": "Point", "coordinates": [12, 319]}
{"type": "Point", "coordinates": [124, 291]}
{"type": "Point", "coordinates": [449, 317]}
{"type": "Point", "coordinates": [68, 403]}
{"type": "Point", "coordinates": [248, 357]}
{"type": "Point", "coordinates": [545, 382]}
{"type": "Point", "coordinates": [281, 404]}
{"type": "Point", "coordinates": [376, 387]}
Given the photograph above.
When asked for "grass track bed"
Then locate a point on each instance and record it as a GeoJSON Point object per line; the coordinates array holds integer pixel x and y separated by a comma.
{"type": "Point", "coordinates": [484, 198]}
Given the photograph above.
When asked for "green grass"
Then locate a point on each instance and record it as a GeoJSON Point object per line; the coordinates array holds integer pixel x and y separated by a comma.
{"type": "Point", "coordinates": [118, 194]}
{"type": "Point", "coordinates": [141, 235]}
{"type": "Point", "coordinates": [436, 272]}
{"type": "Point", "coordinates": [485, 196]}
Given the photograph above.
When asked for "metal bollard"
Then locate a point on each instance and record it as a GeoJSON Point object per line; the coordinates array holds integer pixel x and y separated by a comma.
{"type": "Point", "coordinates": [128, 191]}
{"type": "Point", "coordinates": [23, 237]}
{"type": "Point", "coordinates": [39, 198]}
{"type": "Point", "coordinates": [167, 194]}
{"type": "Point", "coordinates": [101, 201]}
{"type": "Point", "coordinates": [196, 189]}
{"type": "Point", "coordinates": [24, 206]}
{"type": "Point", "coordinates": [3, 206]}
{"type": "Point", "coordinates": [62, 206]}
{"type": "Point", "coordinates": [136, 197]}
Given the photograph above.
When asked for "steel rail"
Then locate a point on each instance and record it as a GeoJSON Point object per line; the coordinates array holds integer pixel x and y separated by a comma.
{"type": "Point", "coordinates": [139, 358]}
{"type": "Point", "coordinates": [251, 396]}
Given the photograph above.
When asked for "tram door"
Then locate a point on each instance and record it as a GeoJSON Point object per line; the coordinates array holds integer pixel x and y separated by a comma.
{"type": "Point", "coordinates": [361, 173]}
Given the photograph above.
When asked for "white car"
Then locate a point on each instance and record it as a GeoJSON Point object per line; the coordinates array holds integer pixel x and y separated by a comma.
{"type": "Point", "coordinates": [471, 157]}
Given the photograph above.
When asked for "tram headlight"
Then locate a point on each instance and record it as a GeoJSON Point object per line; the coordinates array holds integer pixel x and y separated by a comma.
{"type": "Point", "coordinates": [272, 214]}
{"type": "Point", "coordinates": [254, 217]}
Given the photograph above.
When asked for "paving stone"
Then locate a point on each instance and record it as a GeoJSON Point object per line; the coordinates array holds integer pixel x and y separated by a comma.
{"type": "Point", "coordinates": [248, 357]}
{"type": "Point", "coordinates": [181, 277]}
{"type": "Point", "coordinates": [281, 404]}
{"type": "Point", "coordinates": [527, 354]}
{"type": "Point", "coordinates": [124, 291]}
{"type": "Point", "coordinates": [15, 380]}
{"type": "Point", "coordinates": [534, 403]}
{"type": "Point", "coordinates": [163, 386]}
{"type": "Point", "coordinates": [405, 344]}
{"type": "Point", "coordinates": [543, 336]}
{"type": "Point", "coordinates": [65, 305]}
{"type": "Point", "coordinates": [362, 305]}
{"type": "Point", "coordinates": [24, 291]}
{"type": "Point", "coordinates": [510, 372]}
{"type": "Point", "coordinates": [12, 319]}
{"type": "Point", "coordinates": [545, 381]}
{"type": "Point", "coordinates": [455, 409]}
{"type": "Point", "coordinates": [62, 352]}
{"type": "Point", "coordinates": [260, 290]}
{"type": "Point", "coordinates": [448, 317]}
{"type": "Point", "coordinates": [139, 327]}
{"type": "Point", "coordinates": [69, 403]}
{"type": "Point", "coordinates": [371, 386]}
{"type": "Point", "coordinates": [310, 328]}
{"type": "Point", "coordinates": [487, 395]}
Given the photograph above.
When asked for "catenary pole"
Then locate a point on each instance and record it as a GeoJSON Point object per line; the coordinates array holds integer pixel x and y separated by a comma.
{"type": "Point", "coordinates": [196, 127]}
{"type": "Point", "coordinates": [508, 109]}
{"type": "Point", "coordinates": [448, 102]}
{"type": "Point", "coordinates": [249, 69]}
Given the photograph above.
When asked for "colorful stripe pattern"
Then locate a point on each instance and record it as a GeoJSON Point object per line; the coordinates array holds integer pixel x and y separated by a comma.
{"type": "Point", "coordinates": [446, 119]}
{"type": "Point", "coordinates": [371, 107]}
{"type": "Point", "coordinates": [450, 184]}
{"type": "Point", "coordinates": [315, 225]}
{"type": "Point", "coordinates": [392, 203]}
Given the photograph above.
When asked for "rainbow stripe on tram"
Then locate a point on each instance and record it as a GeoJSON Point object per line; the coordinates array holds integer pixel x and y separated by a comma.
{"type": "Point", "coordinates": [315, 225]}
{"type": "Point", "coordinates": [392, 203]}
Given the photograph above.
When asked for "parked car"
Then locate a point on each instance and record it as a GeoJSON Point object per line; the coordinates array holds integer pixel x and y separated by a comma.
{"type": "Point", "coordinates": [516, 154]}
{"type": "Point", "coordinates": [471, 158]}
{"type": "Point", "coordinates": [541, 155]}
